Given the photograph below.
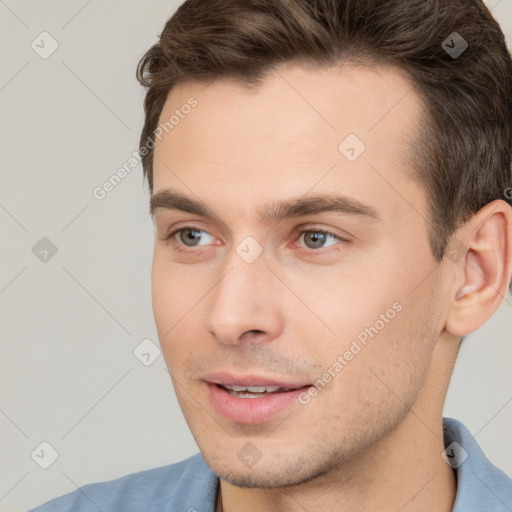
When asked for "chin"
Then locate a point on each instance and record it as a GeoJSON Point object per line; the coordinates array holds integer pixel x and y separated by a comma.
{"type": "Point", "coordinates": [268, 474]}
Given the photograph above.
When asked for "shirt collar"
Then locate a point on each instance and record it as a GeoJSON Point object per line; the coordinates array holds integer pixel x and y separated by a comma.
{"type": "Point", "coordinates": [480, 484]}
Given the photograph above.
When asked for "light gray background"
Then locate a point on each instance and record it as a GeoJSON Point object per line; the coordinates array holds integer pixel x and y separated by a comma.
{"type": "Point", "coordinates": [69, 326]}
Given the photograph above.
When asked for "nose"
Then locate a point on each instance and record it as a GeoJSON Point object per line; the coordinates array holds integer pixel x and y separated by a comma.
{"type": "Point", "coordinates": [244, 304]}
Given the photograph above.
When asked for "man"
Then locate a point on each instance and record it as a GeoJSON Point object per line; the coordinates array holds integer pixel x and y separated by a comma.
{"type": "Point", "coordinates": [331, 188]}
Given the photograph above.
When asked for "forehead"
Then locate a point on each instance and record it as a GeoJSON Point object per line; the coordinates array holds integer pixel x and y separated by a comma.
{"type": "Point", "coordinates": [298, 131]}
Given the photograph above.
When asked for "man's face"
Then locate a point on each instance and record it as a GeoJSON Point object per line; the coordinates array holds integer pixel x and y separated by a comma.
{"type": "Point", "coordinates": [241, 300]}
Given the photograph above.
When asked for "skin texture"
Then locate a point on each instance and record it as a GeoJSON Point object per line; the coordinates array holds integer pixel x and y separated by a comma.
{"type": "Point", "coordinates": [372, 438]}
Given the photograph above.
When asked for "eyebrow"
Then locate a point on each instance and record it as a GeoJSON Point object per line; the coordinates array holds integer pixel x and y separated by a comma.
{"type": "Point", "coordinates": [272, 212]}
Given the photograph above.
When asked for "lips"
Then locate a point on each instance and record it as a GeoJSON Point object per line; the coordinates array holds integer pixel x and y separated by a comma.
{"type": "Point", "coordinates": [251, 399]}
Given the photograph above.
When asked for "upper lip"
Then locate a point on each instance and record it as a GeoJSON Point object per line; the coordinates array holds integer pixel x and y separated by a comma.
{"type": "Point", "coordinates": [227, 379]}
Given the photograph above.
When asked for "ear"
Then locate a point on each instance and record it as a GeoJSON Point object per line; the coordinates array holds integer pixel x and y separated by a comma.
{"type": "Point", "coordinates": [481, 253]}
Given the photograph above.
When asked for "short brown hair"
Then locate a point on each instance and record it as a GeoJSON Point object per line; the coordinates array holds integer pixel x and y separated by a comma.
{"type": "Point", "coordinates": [463, 153]}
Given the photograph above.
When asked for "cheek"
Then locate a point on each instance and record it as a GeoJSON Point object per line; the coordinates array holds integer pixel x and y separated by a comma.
{"type": "Point", "coordinates": [177, 293]}
{"type": "Point", "coordinates": [345, 311]}
{"type": "Point", "coordinates": [381, 350]}
{"type": "Point", "coordinates": [173, 294]}
{"type": "Point", "coordinates": [378, 384]}
{"type": "Point", "coordinates": [170, 305]}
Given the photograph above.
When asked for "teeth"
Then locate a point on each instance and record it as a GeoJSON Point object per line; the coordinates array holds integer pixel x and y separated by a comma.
{"type": "Point", "coordinates": [255, 389]}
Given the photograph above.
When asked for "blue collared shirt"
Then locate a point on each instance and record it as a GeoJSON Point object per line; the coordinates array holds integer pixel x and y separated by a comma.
{"type": "Point", "coordinates": [190, 486]}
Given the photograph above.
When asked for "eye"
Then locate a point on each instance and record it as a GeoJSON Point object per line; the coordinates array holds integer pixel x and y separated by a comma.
{"type": "Point", "coordinates": [188, 236]}
{"type": "Point", "coordinates": [316, 238]}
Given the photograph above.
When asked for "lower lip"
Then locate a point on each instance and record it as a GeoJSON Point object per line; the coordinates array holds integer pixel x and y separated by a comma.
{"type": "Point", "coordinates": [251, 410]}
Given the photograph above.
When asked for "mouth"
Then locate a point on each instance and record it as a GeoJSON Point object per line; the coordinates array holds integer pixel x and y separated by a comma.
{"type": "Point", "coordinates": [254, 391]}
{"type": "Point", "coordinates": [251, 400]}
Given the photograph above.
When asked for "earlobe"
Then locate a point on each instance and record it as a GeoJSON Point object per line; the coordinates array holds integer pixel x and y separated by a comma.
{"type": "Point", "coordinates": [486, 268]}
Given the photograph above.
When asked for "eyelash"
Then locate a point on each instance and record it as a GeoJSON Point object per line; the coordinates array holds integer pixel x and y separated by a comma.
{"type": "Point", "coordinates": [171, 238]}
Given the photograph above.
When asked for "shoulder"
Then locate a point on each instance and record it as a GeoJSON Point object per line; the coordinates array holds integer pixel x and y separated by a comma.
{"type": "Point", "coordinates": [186, 485]}
{"type": "Point", "coordinates": [480, 484]}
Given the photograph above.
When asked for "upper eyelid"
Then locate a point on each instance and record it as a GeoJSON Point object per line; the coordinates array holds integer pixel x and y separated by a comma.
{"type": "Point", "coordinates": [161, 218]}
{"type": "Point", "coordinates": [298, 230]}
